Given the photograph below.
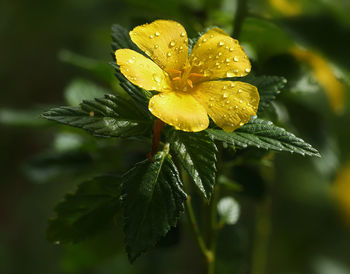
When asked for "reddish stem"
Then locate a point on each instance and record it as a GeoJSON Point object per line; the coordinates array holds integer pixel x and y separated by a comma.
{"type": "Point", "coordinates": [157, 130]}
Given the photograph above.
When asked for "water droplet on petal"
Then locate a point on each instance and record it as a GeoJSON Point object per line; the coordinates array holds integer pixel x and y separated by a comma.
{"type": "Point", "coordinates": [211, 99]}
{"type": "Point", "coordinates": [236, 107]}
{"type": "Point", "coordinates": [171, 44]}
{"type": "Point", "coordinates": [156, 77]}
{"type": "Point", "coordinates": [157, 34]}
{"type": "Point", "coordinates": [231, 49]}
{"type": "Point", "coordinates": [228, 101]}
{"type": "Point", "coordinates": [132, 60]}
{"type": "Point", "coordinates": [224, 87]}
{"type": "Point", "coordinates": [220, 44]}
{"type": "Point", "coordinates": [156, 46]}
{"type": "Point", "coordinates": [227, 60]}
{"type": "Point", "coordinates": [211, 35]}
{"type": "Point", "coordinates": [235, 59]}
{"type": "Point", "coordinates": [225, 95]}
{"type": "Point", "coordinates": [204, 40]}
{"type": "Point", "coordinates": [225, 115]}
{"type": "Point", "coordinates": [151, 36]}
{"type": "Point", "coordinates": [182, 34]}
{"type": "Point", "coordinates": [211, 105]}
{"type": "Point", "coordinates": [220, 53]}
{"type": "Point", "coordinates": [247, 70]}
{"type": "Point", "coordinates": [241, 101]}
{"type": "Point", "coordinates": [239, 91]}
{"type": "Point", "coordinates": [168, 54]}
{"type": "Point", "coordinates": [241, 124]}
{"type": "Point", "coordinates": [232, 85]}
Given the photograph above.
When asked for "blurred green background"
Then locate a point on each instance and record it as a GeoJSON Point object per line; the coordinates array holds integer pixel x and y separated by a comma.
{"type": "Point", "coordinates": [50, 47]}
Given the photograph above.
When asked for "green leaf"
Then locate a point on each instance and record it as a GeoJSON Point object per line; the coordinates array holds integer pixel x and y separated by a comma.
{"type": "Point", "coordinates": [79, 90]}
{"type": "Point", "coordinates": [112, 116]}
{"type": "Point", "coordinates": [153, 201]}
{"type": "Point", "coordinates": [264, 134]}
{"type": "Point", "coordinates": [121, 40]}
{"type": "Point", "coordinates": [197, 153]}
{"type": "Point", "coordinates": [86, 212]}
{"type": "Point", "coordinates": [268, 88]}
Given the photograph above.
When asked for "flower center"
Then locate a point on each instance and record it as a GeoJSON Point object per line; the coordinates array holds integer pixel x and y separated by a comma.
{"type": "Point", "coordinates": [184, 80]}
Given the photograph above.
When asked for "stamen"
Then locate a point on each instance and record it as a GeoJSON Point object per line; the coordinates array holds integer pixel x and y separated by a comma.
{"type": "Point", "coordinates": [176, 78]}
{"type": "Point", "coordinates": [174, 71]}
{"type": "Point", "coordinates": [189, 82]}
{"type": "Point", "coordinates": [193, 74]}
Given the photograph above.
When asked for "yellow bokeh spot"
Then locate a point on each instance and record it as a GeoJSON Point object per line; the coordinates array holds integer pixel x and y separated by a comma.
{"type": "Point", "coordinates": [287, 7]}
{"type": "Point", "coordinates": [341, 190]}
{"type": "Point", "coordinates": [324, 74]}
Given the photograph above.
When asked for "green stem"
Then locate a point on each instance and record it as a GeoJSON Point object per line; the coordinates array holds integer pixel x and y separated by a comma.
{"type": "Point", "coordinates": [241, 12]}
{"type": "Point", "coordinates": [262, 236]}
{"type": "Point", "coordinates": [195, 227]}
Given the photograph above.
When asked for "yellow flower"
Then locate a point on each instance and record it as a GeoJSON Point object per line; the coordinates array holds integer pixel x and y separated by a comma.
{"type": "Point", "coordinates": [188, 86]}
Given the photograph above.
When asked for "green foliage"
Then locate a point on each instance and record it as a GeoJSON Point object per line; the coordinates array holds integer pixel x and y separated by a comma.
{"type": "Point", "coordinates": [197, 154]}
{"type": "Point", "coordinates": [153, 201]}
{"type": "Point", "coordinates": [86, 212]}
{"type": "Point", "coordinates": [264, 134]}
{"type": "Point", "coordinates": [108, 117]}
{"type": "Point", "coordinates": [268, 87]}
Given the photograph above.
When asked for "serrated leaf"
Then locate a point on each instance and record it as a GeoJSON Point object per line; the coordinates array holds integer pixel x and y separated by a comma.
{"type": "Point", "coordinates": [86, 212]}
{"type": "Point", "coordinates": [112, 116]}
{"type": "Point", "coordinates": [153, 201]}
{"type": "Point", "coordinates": [197, 153]}
{"type": "Point", "coordinates": [121, 40]}
{"type": "Point", "coordinates": [264, 134]}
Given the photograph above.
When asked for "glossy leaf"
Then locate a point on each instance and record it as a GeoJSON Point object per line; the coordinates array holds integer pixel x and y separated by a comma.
{"type": "Point", "coordinates": [112, 116]}
{"type": "Point", "coordinates": [197, 153]}
{"type": "Point", "coordinates": [86, 212]}
{"type": "Point", "coordinates": [153, 201]}
{"type": "Point", "coordinates": [264, 134]}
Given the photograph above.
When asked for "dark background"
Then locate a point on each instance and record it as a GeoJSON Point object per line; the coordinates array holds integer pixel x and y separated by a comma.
{"type": "Point", "coordinates": [310, 232]}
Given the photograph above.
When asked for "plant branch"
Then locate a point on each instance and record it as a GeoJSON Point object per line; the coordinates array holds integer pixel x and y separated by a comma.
{"type": "Point", "coordinates": [241, 12]}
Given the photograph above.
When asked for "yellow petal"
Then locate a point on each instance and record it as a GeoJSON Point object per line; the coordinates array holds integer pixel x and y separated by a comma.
{"type": "Point", "coordinates": [180, 110]}
{"type": "Point", "coordinates": [229, 104]}
{"type": "Point", "coordinates": [141, 71]}
{"type": "Point", "coordinates": [164, 41]}
{"type": "Point", "coordinates": [217, 55]}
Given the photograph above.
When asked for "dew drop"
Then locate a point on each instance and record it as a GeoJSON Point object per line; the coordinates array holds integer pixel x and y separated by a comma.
{"type": "Point", "coordinates": [220, 44]}
{"type": "Point", "coordinates": [210, 56]}
{"type": "Point", "coordinates": [230, 107]}
{"type": "Point", "coordinates": [211, 99]}
{"type": "Point", "coordinates": [225, 95]}
{"type": "Point", "coordinates": [232, 125]}
{"type": "Point", "coordinates": [204, 40]}
{"type": "Point", "coordinates": [211, 35]}
{"type": "Point", "coordinates": [236, 107]}
{"type": "Point", "coordinates": [239, 91]}
{"type": "Point", "coordinates": [156, 46]}
{"type": "Point", "coordinates": [227, 60]}
{"type": "Point", "coordinates": [247, 70]}
{"type": "Point", "coordinates": [132, 60]}
{"type": "Point", "coordinates": [241, 124]}
{"type": "Point", "coordinates": [224, 87]}
{"type": "Point", "coordinates": [156, 77]}
{"type": "Point", "coordinates": [211, 105]}
{"type": "Point", "coordinates": [235, 59]}
{"type": "Point", "coordinates": [150, 109]}
{"type": "Point", "coordinates": [168, 54]}
{"type": "Point", "coordinates": [151, 36]}
{"type": "Point", "coordinates": [157, 34]}
{"type": "Point", "coordinates": [228, 101]}
{"type": "Point", "coordinates": [182, 34]}
{"type": "Point", "coordinates": [231, 49]}
{"type": "Point", "coordinates": [241, 101]}
{"type": "Point", "coordinates": [171, 44]}
{"type": "Point", "coordinates": [181, 48]}
{"type": "Point", "coordinates": [225, 115]}
{"type": "Point", "coordinates": [220, 53]}
{"type": "Point", "coordinates": [232, 85]}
